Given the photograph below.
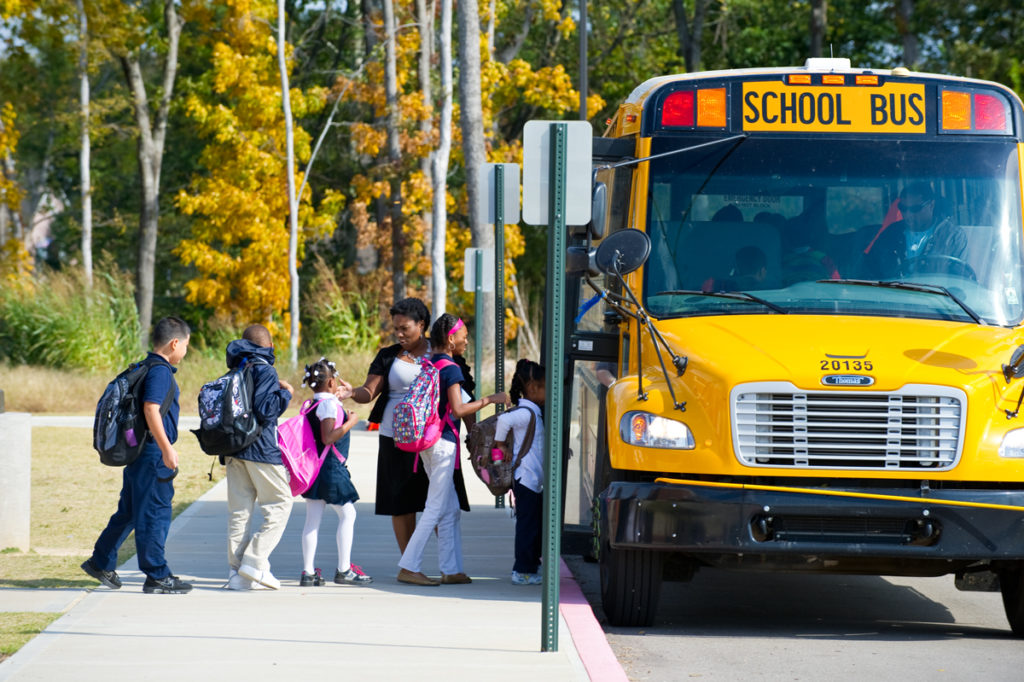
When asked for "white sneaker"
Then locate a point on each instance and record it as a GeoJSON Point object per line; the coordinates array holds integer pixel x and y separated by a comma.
{"type": "Point", "coordinates": [526, 578]}
{"type": "Point", "coordinates": [262, 576]}
{"type": "Point", "coordinates": [237, 582]}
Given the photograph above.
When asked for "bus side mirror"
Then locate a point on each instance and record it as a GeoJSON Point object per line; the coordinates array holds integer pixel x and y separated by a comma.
{"type": "Point", "coordinates": [598, 210]}
{"type": "Point", "coordinates": [579, 261]}
{"type": "Point", "coordinates": [1015, 370]}
{"type": "Point", "coordinates": [623, 252]}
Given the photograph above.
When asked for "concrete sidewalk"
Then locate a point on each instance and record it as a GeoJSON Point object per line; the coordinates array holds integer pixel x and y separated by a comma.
{"type": "Point", "coordinates": [490, 629]}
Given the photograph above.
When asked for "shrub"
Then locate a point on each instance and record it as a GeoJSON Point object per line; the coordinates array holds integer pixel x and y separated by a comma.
{"type": "Point", "coordinates": [337, 316]}
{"type": "Point", "coordinates": [55, 320]}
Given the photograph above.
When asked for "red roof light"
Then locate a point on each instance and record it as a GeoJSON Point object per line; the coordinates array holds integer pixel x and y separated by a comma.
{"type": "Point", "coordinates": [989, 113]}
{"type": "Point", "coordinates": [678, 109]}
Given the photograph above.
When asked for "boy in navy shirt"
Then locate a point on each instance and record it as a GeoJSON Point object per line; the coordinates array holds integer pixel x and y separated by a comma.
{"type": "Point", "coordinates": [147, 486]}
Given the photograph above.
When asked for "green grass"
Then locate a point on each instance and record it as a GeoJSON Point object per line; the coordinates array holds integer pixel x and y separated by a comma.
{"type": "Point", "coordinates": [17, 627]}
{"type": "Point", "coordinates": [73, 496]}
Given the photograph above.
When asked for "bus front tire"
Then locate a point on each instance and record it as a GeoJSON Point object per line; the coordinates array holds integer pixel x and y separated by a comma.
{"type": "Point", "coordinates": [630, 585]}
{"type": "Point", "coordinates": [1011, 584]}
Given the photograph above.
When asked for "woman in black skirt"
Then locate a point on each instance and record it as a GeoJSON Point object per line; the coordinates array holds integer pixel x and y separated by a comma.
{"type": "Point", "coordinates": [401, 492]}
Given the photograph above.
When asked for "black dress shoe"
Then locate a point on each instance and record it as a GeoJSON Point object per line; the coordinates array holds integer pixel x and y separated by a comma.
{"type": "Point", "coordinates": [108, 578]}
{"type": "Point", "coordinates": [169, 585]}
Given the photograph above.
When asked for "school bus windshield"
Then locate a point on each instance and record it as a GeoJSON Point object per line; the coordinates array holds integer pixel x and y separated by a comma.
{"type": "Point", "coordinates": [782, 224]}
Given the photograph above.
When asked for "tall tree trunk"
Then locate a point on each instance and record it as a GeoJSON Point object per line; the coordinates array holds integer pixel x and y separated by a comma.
{"type": "Point", "coordinates": [150, 152]}
{"type": "Point", "coordinates": [293, 213]}
{"type": "Point", "coordinates": [367, 9]}
{"type": "Point", "coordinates": [492, 22]}
{"type": "Point", "coordinates": [472, 124]}
{"type": "Point", "coordinates": [819, 22]}
{"type": "Point", "coordinates": [439, 168]}
{"type": "Point", "coordinates": [425, 20]}
{"type": "Point", "coordinates": [905, 27]}
{"type": "Point", "coordinates": [394, 154]}
{"type": "Point", "coordinates": [85, 146]}
{"type": "Point", "coordinates": [690, 33]}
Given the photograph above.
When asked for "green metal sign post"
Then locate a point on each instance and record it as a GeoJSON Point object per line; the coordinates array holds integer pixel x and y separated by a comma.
{"type": "Point", "coordinates": [556, 192]}
{"type": "Point", "coordinates": [554, 309]}
{"type": "Point", "coordinates": [478, 310]}
{"type": "Point", "coordinates": [499, 294]}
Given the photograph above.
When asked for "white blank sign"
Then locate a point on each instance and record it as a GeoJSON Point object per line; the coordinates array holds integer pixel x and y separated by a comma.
{"type": "Point", "coordinates": [537, 172]}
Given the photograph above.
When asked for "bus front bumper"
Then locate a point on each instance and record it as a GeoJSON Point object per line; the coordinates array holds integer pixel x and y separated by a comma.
{"type": "Point", "coordinates": [845, 530]}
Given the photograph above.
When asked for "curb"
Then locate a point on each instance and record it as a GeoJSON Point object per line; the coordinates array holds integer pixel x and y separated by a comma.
{"type": "Point", "coordinates": [587, 635]}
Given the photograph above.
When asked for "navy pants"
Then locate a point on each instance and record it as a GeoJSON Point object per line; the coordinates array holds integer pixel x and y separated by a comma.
{"type": "Point", "coordinates": [145, 507]}
{"type": "Point", "coordinates": [529, 517]}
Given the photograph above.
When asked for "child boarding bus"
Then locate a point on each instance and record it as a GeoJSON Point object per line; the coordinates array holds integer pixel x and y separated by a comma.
{"type": "Point", "coordinates": [808, 347]}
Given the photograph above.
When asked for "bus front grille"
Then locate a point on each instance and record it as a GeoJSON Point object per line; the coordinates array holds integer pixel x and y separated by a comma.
{"type": "Point", "coordinates": [915, 428]}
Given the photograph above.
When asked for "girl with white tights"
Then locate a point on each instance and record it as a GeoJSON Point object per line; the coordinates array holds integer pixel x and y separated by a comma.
{"type": "Point", "coordinates": [333, 485]}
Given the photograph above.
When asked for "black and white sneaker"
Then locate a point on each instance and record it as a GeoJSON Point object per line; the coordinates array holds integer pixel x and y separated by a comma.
{"type": "Point", "coordinates": [169, 585]}
{"type": "Point", "coordinates": [314, 579]}
{"type": "Point", "coordinates": [108, 578]}
{"type": "Point", "coordinates": [353, 576]}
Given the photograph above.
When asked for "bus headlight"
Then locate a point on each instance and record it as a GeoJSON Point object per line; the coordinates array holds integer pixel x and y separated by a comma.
{"type": "Point", "coordinates": [1013, 444]}
{"type": "Point", "coordinates": [652, 431]}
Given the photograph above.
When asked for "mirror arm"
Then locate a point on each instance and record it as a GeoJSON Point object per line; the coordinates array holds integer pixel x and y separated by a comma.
{"type": "Point", "coordinates": [613, 301]}
{"type": "Point", "coordinates": [657, 340]}
{"type": "Point", "coordinates": [678, 361]}
{"type": "Point", "coordinates": [1013, 414]}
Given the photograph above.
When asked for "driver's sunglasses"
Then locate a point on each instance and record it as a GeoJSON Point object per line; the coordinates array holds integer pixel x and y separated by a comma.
{"type": "Point", "coordinates": [913, 208]}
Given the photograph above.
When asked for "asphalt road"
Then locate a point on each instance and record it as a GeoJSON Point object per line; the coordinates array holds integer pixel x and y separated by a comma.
{"type": "Point", "coordinates": [728, 625]}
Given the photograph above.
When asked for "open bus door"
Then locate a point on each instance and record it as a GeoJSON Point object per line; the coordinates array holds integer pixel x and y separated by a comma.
{"type": "Point", "coordinates": [593, 355]}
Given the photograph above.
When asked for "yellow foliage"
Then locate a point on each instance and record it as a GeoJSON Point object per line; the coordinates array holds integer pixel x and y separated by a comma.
{"type": "Point", "coordinates": [12, 8]}
{"type": "Point", "coordinates": [10, 193]}
{"type": "Point", "coordinates": [239, 240]}
{"type": "Point", "coordinates": [367, 139]}
{"type": "Point", "coordinates": [16, 263]}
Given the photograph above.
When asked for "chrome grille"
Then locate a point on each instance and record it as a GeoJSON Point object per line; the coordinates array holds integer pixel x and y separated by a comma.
{"type": "Point", "coordinates": [916, 428]}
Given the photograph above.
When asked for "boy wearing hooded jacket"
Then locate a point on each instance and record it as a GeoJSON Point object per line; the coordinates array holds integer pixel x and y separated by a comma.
{"type": "Point", "coordinates": [256, 474]}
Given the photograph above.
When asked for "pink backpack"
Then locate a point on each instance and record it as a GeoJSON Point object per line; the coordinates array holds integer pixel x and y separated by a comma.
{"type": "Point", "coordinates": [417, 425]}
{"type": "Point", "coordinates": [298, 449]}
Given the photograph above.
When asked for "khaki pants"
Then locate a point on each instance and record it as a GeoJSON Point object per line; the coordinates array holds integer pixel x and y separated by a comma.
{"type": "Point", "coordinates": [265, 485]}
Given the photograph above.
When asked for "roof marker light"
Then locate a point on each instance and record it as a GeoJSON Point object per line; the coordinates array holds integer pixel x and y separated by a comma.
{"type": "Point", "coordinates": [833, 79]}
{"type": "Point", "coordinates": [711, 108]}
{"type": "Point", "coordinates": [678, 109]}
{"type": "Point", "coordinates": [866, 80]}
{"type": "Point", "coordinates": [989, 113]}
{"type": "Point", "coordinates": [799, 79]}
{"type": "Point", "coordinates": [956, 110]}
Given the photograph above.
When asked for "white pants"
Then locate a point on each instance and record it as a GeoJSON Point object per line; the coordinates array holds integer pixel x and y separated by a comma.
{"type": "Point", "coordinates": [346, 526]}
{"type": "Point", "coordinates": [441, 511]}
{"type": "Point", "coordinates": [266, 486]}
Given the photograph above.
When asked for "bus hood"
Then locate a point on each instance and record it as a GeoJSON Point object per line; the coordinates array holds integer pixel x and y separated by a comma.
{"type": "Point", "coordinates": [803, 350]}
{"type": "Point", "coordinates": [786, 354]}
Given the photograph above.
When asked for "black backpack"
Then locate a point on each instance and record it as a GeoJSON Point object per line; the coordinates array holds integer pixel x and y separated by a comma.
{"type": "Point", "coordinates": [119, 430]}
{"type": "Point", "coordinates": [227, 416]}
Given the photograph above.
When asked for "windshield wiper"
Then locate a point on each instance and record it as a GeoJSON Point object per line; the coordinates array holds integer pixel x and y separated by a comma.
{"type": "Point", "coordinates": [737, 295]}
{"type": "Point", "coordinates": [909, 286]}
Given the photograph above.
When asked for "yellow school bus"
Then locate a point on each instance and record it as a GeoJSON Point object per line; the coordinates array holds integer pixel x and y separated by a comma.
{"type": "Point", "coordinates": [807, 347]}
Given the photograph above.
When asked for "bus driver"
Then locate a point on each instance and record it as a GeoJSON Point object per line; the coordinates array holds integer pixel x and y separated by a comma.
{"type": "Point", "coordinates": [923, 240]}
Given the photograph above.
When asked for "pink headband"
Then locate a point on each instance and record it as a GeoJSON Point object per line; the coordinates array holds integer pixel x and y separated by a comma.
{"type": "Point", "coordinates": [458, 325]}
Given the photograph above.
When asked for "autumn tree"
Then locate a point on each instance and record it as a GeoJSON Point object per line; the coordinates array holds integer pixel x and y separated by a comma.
{"type": "Point", "coordinates": [239, 237]}
{"type": "Point", "coordinates": [135, 34]}
{"type": "Point", "coordinates": [14, 261]}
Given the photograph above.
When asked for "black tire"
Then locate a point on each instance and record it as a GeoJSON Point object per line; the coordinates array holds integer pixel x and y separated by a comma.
{"type": "Point", "coordinates": [630, 585]}
{"type": "Point", "coordinates": [1011, 584]}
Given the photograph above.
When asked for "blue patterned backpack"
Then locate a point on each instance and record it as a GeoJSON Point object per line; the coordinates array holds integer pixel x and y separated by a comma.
{"type": "Point", "coordinates": [417, 425]}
